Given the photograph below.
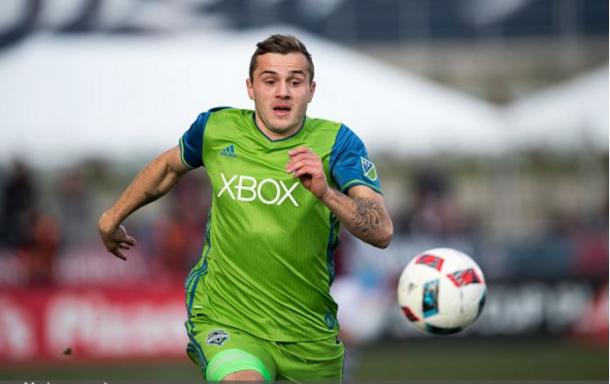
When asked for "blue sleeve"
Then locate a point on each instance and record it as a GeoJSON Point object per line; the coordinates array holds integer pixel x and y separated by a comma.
{"type": "Point", "coordinates": [349, 162]}
{"type": "Point", "coordinates": [191, 142]}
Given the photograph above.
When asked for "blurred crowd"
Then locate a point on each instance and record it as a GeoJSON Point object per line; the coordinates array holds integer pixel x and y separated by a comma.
{"type": "Point", "coordinates": [48, 232]}
{"type": "Point", "coordinates": [26, 230]}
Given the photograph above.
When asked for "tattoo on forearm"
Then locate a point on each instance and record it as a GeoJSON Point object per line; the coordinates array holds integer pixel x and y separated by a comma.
{"type": "Point", "coordinates": [368, 217]}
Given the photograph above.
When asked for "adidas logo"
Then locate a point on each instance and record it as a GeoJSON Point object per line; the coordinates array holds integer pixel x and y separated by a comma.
{"type": "Point", "coordinates": [229, 151]}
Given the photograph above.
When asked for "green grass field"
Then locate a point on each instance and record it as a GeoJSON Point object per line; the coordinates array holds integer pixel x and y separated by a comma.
{"type": "Point", "coordinates": [497, 359]}
{"type": "Point", "coordinates": [423, 359]}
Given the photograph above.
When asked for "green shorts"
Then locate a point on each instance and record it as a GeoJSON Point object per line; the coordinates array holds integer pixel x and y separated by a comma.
{"type": "Point", "coordinates": [220, 350]}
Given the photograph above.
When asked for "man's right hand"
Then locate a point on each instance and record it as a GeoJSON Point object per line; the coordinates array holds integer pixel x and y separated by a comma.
{"type": "Point", "coordinates": [115, 238]}
{"type": "Point", "coordinates": [152, 182]}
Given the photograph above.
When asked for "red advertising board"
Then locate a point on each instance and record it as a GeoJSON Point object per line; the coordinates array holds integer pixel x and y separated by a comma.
{"type": "Point", "coordinates": [91, 323]}
{"type": "Point", "coordinates": [146, 321]}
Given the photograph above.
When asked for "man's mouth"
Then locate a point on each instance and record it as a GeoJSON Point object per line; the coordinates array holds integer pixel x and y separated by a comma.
{"type": "Point", "coordinates": [282, 110]}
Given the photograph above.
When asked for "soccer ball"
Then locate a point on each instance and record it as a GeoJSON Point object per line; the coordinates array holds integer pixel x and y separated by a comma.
{"type": "Point", "coordinates": [442, 291]}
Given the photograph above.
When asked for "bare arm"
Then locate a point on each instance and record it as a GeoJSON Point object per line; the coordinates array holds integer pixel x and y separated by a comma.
{"type": "Point", "coordinates": [155, 180]}
{"type": "Point", "coordinates": [362, 210]}
{"type": "Point", "coordinates": [363, 213]}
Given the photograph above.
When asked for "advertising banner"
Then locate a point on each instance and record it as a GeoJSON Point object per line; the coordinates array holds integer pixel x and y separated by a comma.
{"type": "Point", "coordinates": [88, 323]}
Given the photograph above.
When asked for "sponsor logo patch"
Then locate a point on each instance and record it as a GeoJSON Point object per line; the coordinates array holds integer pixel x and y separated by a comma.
{"type": "Point", "coordinates": [369, 169]}
{"type": "Point", "coordinates": [268, 191]}
{"type": "Point", "coordinates": [217, 337]}
{"type": "Point", "coordinates": [229, 151]}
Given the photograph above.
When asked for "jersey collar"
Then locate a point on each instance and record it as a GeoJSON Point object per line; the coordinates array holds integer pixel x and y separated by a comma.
{"type": "Point", "coordinates": [281, 139]}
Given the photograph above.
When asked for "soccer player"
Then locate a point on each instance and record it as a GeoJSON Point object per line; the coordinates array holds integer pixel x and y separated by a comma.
{"type": "Point", "coordinates": [258, 300]}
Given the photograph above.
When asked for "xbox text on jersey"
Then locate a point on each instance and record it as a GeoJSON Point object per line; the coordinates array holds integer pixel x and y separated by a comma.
{"type": "Point", "coordinates": [247, 189]}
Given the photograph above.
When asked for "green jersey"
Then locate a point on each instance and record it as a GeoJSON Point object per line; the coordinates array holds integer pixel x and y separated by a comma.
{"type": "Point", "coordinates": [267, 262]}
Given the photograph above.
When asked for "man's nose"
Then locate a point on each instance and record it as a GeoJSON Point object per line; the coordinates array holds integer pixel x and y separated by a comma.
{"type": "Point", "coordinates": [282, 90]}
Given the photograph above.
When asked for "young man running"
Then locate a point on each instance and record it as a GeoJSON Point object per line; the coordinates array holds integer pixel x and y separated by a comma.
{"type": "Point", "coordinates": [258, 300]}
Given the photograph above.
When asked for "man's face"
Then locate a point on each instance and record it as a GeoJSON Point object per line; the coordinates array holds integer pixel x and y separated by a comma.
{"type": "Point", "coordinates": [281, 89]}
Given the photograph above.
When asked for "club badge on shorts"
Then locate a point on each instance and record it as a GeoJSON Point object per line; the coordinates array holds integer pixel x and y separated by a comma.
{"type": "Point", "coordinates": [217, 336]}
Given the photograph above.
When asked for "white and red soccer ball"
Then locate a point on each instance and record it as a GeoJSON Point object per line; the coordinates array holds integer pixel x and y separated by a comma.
{"type": "Point", "coordinates": [442, 291]}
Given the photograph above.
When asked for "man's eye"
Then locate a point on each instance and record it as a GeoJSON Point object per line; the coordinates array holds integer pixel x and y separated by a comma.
{"type": "Point", "coordinates": [269, 82]}
{"type": "Point", "coordinates": [295, 83]}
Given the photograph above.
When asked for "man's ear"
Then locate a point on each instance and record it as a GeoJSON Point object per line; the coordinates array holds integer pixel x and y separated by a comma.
{"type": "Point", "coordinates": [250, 88]}
{"type": "Point", "coordinates": [312, 90]}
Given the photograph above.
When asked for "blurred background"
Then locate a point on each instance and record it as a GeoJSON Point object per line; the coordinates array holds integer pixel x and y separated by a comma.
{"type": "Point", "coordinates": [487, 119]}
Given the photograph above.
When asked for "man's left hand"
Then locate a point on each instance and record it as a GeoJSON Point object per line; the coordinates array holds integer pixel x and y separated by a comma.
{"type": "Point", "coordinates": [307, 166]}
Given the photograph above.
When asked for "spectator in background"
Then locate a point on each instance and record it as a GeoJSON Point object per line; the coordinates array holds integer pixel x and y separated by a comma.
{"type": "Point", "coordinates": [75, 213]}
{"type": "Point", "coordinates": [176, 239]}
{"type": "Point", "coordinates": [31, 234]}
{"type": "Point", "coordinates": [40, 253]}
{"type": "Point", "coordinates": [434, 211]}
{"type": "Point", "coordinates": [19, 200]}
{"type": "Point", "coordinates": [590, 258]}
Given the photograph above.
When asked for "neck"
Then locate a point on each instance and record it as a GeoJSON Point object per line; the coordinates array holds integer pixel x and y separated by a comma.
{"type": "Point", "coordinates": [274, 135]}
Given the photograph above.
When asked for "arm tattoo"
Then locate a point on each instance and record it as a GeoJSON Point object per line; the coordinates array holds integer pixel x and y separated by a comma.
{"type": "Point", "coordinates": [368, 217]}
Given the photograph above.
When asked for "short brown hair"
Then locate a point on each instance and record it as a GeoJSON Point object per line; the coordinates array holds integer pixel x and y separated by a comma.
{"type": "Point", "coordinates": [283, 44]}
